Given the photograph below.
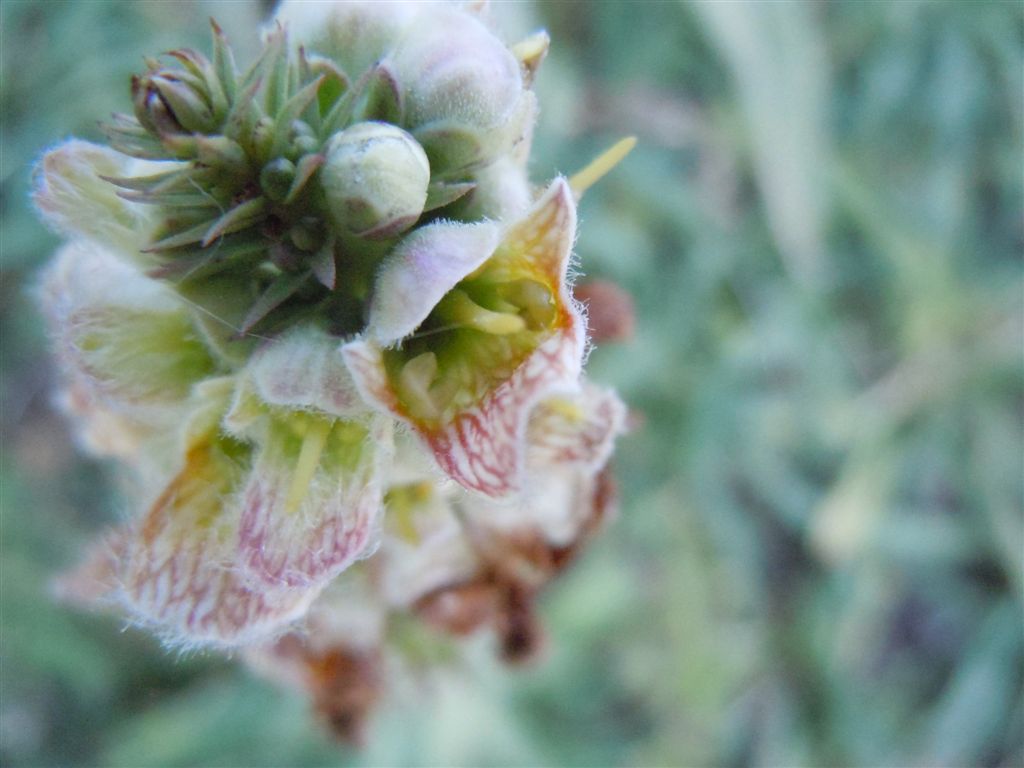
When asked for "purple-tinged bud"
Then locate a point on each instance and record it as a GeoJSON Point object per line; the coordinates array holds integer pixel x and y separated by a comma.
{"type": "Point", "coordinates": [375, 180]}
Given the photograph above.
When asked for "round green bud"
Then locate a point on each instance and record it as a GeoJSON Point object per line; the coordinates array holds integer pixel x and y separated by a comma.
{"type": "Point", "coordinates": [374, 180]}
{"type": "Point", "coordinates": [276, 178]}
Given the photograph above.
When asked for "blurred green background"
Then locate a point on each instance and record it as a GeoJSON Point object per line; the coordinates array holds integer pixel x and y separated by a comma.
{"type": "Point", "coordinates": [819, 555]}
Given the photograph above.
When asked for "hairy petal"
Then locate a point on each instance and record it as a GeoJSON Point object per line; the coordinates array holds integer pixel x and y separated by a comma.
{"type": "Point", "coordinates": [180, 573]}
{"type": "Point", "coordinates": [577, 430]}
{"type": "Point", "coordinates": [420, 271]}
{"type": "Point", "coordinates": [302, 371]}
{"type": "Point", "coordinates": [424, 546]}
{"type": "Point", "coordinates": [127, 350]}
{"type": "Point", "coordinates": [312, 504]}
{"type": "Point", "coordinates": [477, 431]}
{"type": "Point", "coordinates": [76, 201]}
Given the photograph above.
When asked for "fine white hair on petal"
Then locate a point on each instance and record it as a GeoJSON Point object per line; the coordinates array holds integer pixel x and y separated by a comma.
{"type": "Point", "coordinates": [301, 370]}
{"type": "Point", "coordinates": [123, 341]}
{"type": "Point", "coordinates": [307, 540]}
{"type": "Point", "coordinates": [179, 573]}
{"type": "Point", "coordinates": [421, 270]}
{"type": "Point", "coordinates": [482, 446]}
{"type": "Point", "coordinates": [74, 198]}
{"type": "Point", "coordinates": [85, 273]}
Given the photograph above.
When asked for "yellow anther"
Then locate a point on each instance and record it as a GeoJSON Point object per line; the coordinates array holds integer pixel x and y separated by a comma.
{"type": "Point", "coordinates": [567, 409]}
{"type": "Point", "coordinates": [531, 52]}
{"type": "Point", "coordinates": [583, 180]}
{"type": "Point", "coordinates": [461, 310]}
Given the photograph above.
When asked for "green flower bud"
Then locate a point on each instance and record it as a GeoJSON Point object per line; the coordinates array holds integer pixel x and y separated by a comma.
{"type": "Point", "coordinates": [375, 180]}
{"type": "Point", "coordinates": [276, 178]}
{"type": "Point", "coordinates": [167, 104]}
{"type": "Point", "coordinates": [454, 70]}
{"type": "Point", "coordinates": [355, 35]}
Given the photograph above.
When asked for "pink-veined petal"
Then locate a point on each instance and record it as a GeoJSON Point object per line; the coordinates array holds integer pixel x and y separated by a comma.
{"type": "Point", "coordinates": [180, 571]}
{"type": "Point", "coordinates": [575, 430]}
{"type": "Point", "coordinates": [313, 501]}
{"type": "Point", "coordinates": [477, 431]}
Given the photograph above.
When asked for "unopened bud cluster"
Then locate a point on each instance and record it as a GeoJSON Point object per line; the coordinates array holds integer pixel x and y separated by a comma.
{"type": "Point", "coordinates": [296, 169]}
{"type": "Point", "coordinates": [316, 311]}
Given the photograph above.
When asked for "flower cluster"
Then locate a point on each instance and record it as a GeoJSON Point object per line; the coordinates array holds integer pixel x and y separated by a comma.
{"type": "Point", "coordinates": [317, 311]}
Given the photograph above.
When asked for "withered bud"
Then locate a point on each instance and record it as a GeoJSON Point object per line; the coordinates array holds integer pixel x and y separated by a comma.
{"type": "Point", "coordinates": [519, 632]}
{"type": "Point", "coordinates": [610, 312]}
{"type": "Point", "coordinates": [460, 609]}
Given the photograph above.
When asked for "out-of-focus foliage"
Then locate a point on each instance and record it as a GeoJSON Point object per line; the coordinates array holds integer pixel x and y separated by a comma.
{"type": "Point", "coordinates": [819, 557]}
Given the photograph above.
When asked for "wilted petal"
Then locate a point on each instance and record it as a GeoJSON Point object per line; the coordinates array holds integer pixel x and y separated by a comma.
{"type": "Point", "coordinates": [506, 336]}
{"type": "Point", "coordinates": [312, 503]}
{"type": "Point", "coordinates": [420, 271]}
{"type": "Point", "coordinates": [71, 195]}
{"type": "Point", "coordinates": [336, 656]}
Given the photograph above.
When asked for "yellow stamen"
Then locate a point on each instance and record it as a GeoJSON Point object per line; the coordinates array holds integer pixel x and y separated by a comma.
{"type": "Point", "coordinates": [583, 180]}
{"type": "Point", "coordinates": [402, 504]}
{"type": "Point", "coordinates": [461, 310]}
{"type": "Point", "coordinates": [414, 385]}
{"type": "Point", "coordinates": [313, 443]}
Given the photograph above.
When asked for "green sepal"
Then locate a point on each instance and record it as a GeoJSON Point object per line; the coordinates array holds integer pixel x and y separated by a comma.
{"type": "Point", "coordinates": [379, 96]}
{"type": "Point", "coordinates": [290, 111]}
{"type": "Point", "coordinates": [241, 216]}
{"type": "Point", "coordinates": [283, 288]}
{"type": "Point", "coordinates": [304, 171]}
{"type": "Point", "coordinates": [440, 194]}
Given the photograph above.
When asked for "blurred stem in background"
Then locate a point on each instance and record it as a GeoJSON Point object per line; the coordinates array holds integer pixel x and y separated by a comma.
{"type": "Point", "coordinates": [819, 557]}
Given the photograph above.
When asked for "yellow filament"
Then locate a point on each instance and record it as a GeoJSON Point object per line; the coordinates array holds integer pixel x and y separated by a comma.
{"type": "Point", "coordinates": [313, 443]}
{"type": "Point", "coordinates": [583, 180]}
